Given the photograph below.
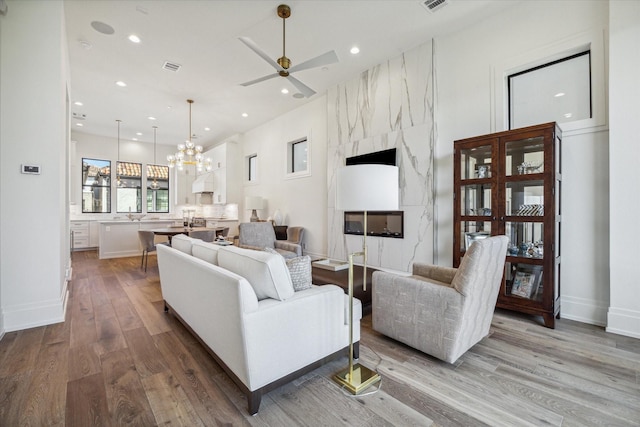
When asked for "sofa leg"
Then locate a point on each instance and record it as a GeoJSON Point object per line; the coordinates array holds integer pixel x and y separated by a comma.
{"type": "Point", "coordinates": [254, 398]}
{"type": "Point", "coordinates": [356, 350]}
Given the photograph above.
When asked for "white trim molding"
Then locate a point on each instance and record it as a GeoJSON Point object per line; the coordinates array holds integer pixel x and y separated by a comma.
{"type": "Point", "coordinates": [584, 310]}
{"type": "Point", "coordinates": [623, 322]}
{"type": "Point", "coordinates": [41, 313]}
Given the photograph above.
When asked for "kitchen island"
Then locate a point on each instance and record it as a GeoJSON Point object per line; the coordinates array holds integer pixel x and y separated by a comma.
{"type": "Point", "coordinates": [119, 238]}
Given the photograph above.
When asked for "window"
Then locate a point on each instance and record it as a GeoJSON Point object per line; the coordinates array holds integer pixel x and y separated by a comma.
{"type": "Point", "coordinates": [558, 91]}
{"type": "Point", "coordinates": [157, 188]}
{"type": "Point", "coordinates": [96, 186]}
{"type": "Point", "coordinates": [298, 158]}
{"type": "Point", "coordinates": [129, 187]}
{"type": "Point", "coordinates": [252, 168]}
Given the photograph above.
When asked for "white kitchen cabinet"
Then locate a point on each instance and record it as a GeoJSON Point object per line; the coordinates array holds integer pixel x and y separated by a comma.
{"type": "Point", "coordinates": [183, 183]}
{"type": "Point", "coordinates": [220, 186]}
{"type": "Point", "coordinates": [80, 234]}
{"type": "Point", "coordinates": [85, 234]}
{"type": "Point", "coordinates": [227, 175]}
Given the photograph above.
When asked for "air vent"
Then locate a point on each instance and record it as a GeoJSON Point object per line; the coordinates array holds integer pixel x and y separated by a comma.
{"type": "Point", "coordinates": [170, 66]}
{"type": "Point", "coordinates": [434, 5]}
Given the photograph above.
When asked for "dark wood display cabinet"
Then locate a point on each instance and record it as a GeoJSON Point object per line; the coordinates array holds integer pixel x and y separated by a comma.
{"type": "Point", "coordinates": [508, 183]}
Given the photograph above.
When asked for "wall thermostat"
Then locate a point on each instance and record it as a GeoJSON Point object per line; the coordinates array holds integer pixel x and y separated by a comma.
{"type": "Point", "coordinates": [32, 169]}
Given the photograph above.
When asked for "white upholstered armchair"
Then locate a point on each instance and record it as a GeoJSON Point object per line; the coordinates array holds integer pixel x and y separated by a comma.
{"type": "Point", "coordinates": [442, 311]}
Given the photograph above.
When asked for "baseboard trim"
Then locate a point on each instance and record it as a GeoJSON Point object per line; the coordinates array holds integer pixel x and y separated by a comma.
{"type": "Point", "coordinates": [623, 321]}
{"type": "Point", "coordinates": [584, 310]}
{"type": "Point", "coordinates": [41, 313]}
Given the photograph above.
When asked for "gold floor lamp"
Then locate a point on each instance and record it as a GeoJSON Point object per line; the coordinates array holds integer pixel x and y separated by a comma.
{"type": "Point", "coordinates": [363, 188]}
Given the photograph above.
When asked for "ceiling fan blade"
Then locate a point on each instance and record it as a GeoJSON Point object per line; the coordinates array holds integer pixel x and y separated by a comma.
{"type": "Point", "coordinates": [324, 59]}
{"type": "Point", "coordinates": [261, 79]}
{"type": "Point", "coordinates": [261, 53]}
{"type": "Point", "coordinates": [304, 89]}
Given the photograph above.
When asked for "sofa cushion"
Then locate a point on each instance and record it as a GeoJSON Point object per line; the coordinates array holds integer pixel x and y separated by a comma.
{"type": "Point", "coordinates": [300, 272]}
{"type": "Point", "coordinates": [183, 243]}
{"type": "Point", "coordinates": [206, 251]}
{"type": "Point", "coordinates": [267, 273]}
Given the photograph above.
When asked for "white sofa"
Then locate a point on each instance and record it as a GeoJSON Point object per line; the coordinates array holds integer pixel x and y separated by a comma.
{"type": "Point", "coordinates": [241, 305]}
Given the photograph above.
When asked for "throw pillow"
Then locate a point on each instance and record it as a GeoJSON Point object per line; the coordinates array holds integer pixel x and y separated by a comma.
{"type": "Point", "coordinates": [300, 271]}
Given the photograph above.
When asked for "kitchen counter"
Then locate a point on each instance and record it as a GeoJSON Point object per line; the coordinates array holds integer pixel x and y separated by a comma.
{"type": "Point", "coordinates": [142, 221]}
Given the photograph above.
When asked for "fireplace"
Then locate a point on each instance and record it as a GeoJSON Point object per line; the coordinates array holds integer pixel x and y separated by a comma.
{"type": "Point", "coordinates": [379, 223]}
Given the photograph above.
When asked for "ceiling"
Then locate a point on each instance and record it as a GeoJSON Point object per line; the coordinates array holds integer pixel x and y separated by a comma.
{"type": "Point", "coordinates": [202, 37]}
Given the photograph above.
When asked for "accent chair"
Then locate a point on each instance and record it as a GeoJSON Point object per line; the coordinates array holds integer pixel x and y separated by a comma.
{"type": "Point", "coordinates": [442, 311]}
{"type": "Point", "coordinates": [261, 235]}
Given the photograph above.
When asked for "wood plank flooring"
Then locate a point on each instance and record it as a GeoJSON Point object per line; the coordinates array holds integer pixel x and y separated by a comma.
{"type": "Point", "coordinates": [118, 359]}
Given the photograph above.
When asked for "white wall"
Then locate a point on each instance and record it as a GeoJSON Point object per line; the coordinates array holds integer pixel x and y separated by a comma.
{"type": "Point", "coordinates": [624, 95]}
{"type": "Point", "coordinates": [34, 248]}
{"type": "Point", "coordinates": [302, 201]}
{"type": "Point", "coordinates": [470, 68]}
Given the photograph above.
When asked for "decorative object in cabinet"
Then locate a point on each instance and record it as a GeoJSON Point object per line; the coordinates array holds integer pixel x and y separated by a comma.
{"type": "Point", "coordinates": [509, 183]}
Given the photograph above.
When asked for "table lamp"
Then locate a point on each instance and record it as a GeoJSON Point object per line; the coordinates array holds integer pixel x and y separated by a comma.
{"type": "Point", "coordinates": [253, 203]}
{"type": "Point", "coordinates": [363, 188]}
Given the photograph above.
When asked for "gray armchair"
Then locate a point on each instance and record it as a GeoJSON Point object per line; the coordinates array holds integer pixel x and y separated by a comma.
{"type": "Point", "coordinates": [260, 235]}
{"type": "Point", "coordinates": [442, 311]}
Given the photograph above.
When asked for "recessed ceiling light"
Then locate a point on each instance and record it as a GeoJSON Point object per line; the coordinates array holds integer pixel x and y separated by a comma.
{"type": "Point", "coordinates": [355, 50]}
{"type": "Point", "coordinates": [207, 129]}
{"type": "Point", "coordinates": [134, 139]}
{"type": "Point", "coordinates": [245, 115]}
{"type": "Point", "coordinates": [285, 91]}
{"type": "Point", "coordinates": [79, 124]}
{"type": "Point", "coordinates": [559, 94]}
{"type": "Point", "coordinates": [103, 28]}
{"type": "Point", "coordinates": [78, 103]}
{"type": "Point", "coordinates": [134, 39]}
{"type": "Point", "coordinates": [568, 115]}
{"type": "Point", "coordinates": [139, 133]}
{"type": "Point", "coordinates": [121, 83]}
{"type": "Point", "coordinates": [151, 118]}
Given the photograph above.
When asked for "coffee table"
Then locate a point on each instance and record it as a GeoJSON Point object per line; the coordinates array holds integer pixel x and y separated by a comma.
{"type": "Point", "coordinates": [320, 276]}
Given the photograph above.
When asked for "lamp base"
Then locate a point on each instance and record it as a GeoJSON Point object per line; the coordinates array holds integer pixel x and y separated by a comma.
{"type": "Point", "coordinates": [254, 216]}
{"type": "Point", "coordinates": [361, 379]}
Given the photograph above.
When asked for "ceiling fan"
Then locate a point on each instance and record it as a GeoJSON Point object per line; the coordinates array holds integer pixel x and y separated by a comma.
{"type": "Point", "coordinates": [283, 64]}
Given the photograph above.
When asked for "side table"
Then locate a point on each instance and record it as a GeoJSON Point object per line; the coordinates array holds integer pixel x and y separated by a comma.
{"type": "Point", "coordinates": [321, 276]}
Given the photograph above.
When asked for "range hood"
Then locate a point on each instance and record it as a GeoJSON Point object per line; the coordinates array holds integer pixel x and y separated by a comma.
{"type": "Point", "coordinates": [203, 184]}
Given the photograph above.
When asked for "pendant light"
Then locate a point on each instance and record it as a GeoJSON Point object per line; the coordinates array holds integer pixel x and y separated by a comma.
{"type": "Point", "coordinates": [189, 153]}
{"type": "Point", "coordinates": [154, 184]}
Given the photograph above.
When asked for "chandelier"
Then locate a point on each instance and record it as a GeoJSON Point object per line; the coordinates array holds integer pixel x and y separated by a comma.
{"type": "Point", "coordinates": [189, 153]}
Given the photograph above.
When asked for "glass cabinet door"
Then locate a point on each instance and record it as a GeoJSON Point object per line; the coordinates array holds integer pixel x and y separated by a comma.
{"type": "Point", "coordinates": [524, 157]}
{"type": "Point", "coordinates": [475, 162]}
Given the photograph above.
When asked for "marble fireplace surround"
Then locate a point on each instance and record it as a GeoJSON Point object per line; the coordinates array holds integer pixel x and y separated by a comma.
{"type": "Point", "coordinates": [388, 106]}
